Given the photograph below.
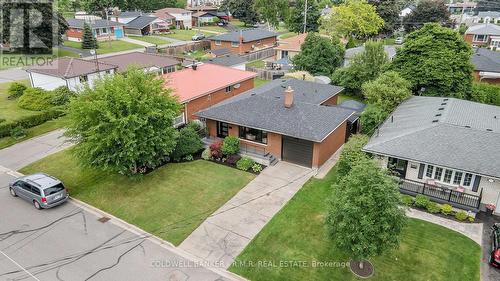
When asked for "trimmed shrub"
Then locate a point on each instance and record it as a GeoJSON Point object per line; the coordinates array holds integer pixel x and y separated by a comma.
{"type": "Point", "coordinates": [206, 154]}
{"type": "Point", "coordinates": [18, 132]}
{"type": "Point", "coordinates": [257, 168]}
{"type": "Point", "coordinates": [470, 218]}
{"type": "Point", "coordinates": [422, 201]}
{"type": "Point", "coordinates": [188, 158]}
{"type": "Point", "coordinates": [231, 145]}
{"type": "Point", "coordinates": [461, 215]}
{"type": "Point", "coordinates": [407, 200]}
{"type": "Point", "coordinates": [233, 159]}
{"type": "Point", "coordinates": [215, 149]}
{"type": "Point", "coordinates": [35, 99]}
{"type": "Point", "coordinates": [433, 208]}
{"type": "Point", "coordinates": [486, 93]}
{"type": "Point", "coordinates": [188, 143]}
{"type": "Point", "coordinates": [446, 209]}
{"type": "Point", "coordinates": [16, 90]}
{"type": "Point", "coordinates": [62, 95]}
{"type": "Point", "coordinates": [197, 127]}
{"type": "Point", "coordinates": [30, 121]}
{"type": "Point", "coordinates": [245, 163]}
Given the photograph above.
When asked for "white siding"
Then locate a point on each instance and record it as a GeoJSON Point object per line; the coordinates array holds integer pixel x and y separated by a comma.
{"type": "Point", "coordinates": [46, 82]}
{"type": "Point", "coordinates": [412, 173]}
{"type": "Point", "coordinates": [186, 19]}
{"type": "Point", "coordinates": [491, 191]}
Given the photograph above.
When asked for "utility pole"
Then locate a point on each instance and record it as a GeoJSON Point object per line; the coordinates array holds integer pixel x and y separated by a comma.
{"type": "Point", "coordinates": [305, 16]}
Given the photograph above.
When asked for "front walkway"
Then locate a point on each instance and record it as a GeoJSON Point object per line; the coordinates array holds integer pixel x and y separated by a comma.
{"type": "Point", "coordinates": [224, 235]}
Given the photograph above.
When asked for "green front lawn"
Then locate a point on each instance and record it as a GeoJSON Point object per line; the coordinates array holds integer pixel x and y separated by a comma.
{"type": "Point", "coordinates": [8, 108]}
{"type": "Point", "coordinates": [257, 64]}
{"type": "Point", "coordinates": [106, 47]}
{"type": "Point", "coordinates": [197, 55]}
{"type": "Point", "coordinates": [182, 34]}
{"type": "Point", "coordinates": [237, 23]}
{"type": "Point", "coordinates": [66, 53]}
{"type": "Point", "coordinates": [215, 28]}
{"type": "Point", "coordinates": [170, 202]}
{"type": "Point", "coordinates": [287, 35]}
{"type": "Point", "coordinates": [298, 233]}
{"type": "Point", "coordinates": [151, 39]}
{"type": "Point", "coordinates": [344, 97]}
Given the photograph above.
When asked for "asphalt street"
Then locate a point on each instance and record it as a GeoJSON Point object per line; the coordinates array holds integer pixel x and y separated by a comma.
{"type": "Point", "coordinates": [70, 243]}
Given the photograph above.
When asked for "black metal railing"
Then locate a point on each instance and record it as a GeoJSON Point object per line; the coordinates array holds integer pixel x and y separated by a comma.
{"type": "Point", "coordinates": [441, 194]}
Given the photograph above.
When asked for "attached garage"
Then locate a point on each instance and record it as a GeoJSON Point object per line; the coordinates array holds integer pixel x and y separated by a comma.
{"type": "Point", "coordinates": [297, 151]}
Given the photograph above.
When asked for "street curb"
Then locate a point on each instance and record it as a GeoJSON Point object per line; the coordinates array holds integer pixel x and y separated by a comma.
{"type": "Point", "coordinates": [153, 238]}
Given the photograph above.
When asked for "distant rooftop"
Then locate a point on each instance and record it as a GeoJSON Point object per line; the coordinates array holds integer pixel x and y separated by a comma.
{"type": "Point", "coordinates": [293, 43]}
{"type": "Point", "coordinates": [249, 35]}
{"type": "Point", "coordinates": [98, 23]}
{"type": "Point", "coordinates": [227, 60]}
{"type": "Point", "coordinates": [484, 29]}
{"type": "Point", "coordinates": [138, 59]}
{"type": "Point", "coordinates": [140, 22]}
{"type": "Point", "coordinates": [71, 67]}
{"type": "Point", "coordinates": [446, 132]}
{"type": "Point", "coordinates": [486, 60]}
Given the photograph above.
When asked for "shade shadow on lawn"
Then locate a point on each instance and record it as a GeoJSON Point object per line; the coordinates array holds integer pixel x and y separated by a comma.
{"type": "Point", "coordinates": [169, 202]}
{"type": "Point", "coordinates": [297, 233]}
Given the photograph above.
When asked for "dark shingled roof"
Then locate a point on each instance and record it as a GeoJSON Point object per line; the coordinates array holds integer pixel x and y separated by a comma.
{"type": "Point", "coordinates": [446, 132]}
{"type": "Point", "coordinates": [78, 23]}
{"type": "Point", "coordinates": [486, 60]}
{"type": "Point", "coordinates": [228, 60]}
{"type": "Point", "coordinates": [263, 108]}
{"type": "Point", "coordinates": [249, 35]}
{"type": "Point", "coordinates": [140, 22]}
{"type": "Point", "coordinates": [139, 59]}
{"type": "Point", "coordinates": [220, 52]}
{"type": "Point", "coordinates": [71, 67]}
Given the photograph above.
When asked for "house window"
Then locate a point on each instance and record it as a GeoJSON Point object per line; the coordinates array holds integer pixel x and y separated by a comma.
{"type": "Point", "coordinates": [104, 31]}
{"type": "Point", "coordinates": [458, 178]}
{"type": "Point", "coordinates": [467, 179]}
{"type": "Point", "coordinates": [97, 31]}
{"type": "Point", "coordinates": [429, 171]}
{"type": "Point", "coordinates": [222, 129]}
{"type": "Point", "coordinates": [253, 135]}
{"type": "Point", "coordinates": [218, 42]}
{"type": "Point", "coordinates": [168, 69]}
{"type": "Point", "coordinates": [83, 78]}
{"type": "Point", "coordinates": [235, 44]}
{"type": "Point", "coordinates": [438, 174]}
{"type": "Point", "coordinates": [480, 38]}
{"type": "Point", "coordinates": [447, 176]}
{"type": "Point", "coordinates": [229, 89]}
{"type": "Point", "coordinates": [284, 54]}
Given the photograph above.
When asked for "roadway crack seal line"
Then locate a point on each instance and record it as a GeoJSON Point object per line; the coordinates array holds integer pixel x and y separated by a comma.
{"type": "Point", "coordinates": [10, 172]}
{"type": "Point", "coordinates": [18, 265]}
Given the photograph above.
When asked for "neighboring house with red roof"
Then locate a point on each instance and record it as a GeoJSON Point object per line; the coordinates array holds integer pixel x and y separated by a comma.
{"type": "Point", "coordinates": [204, 85]}
{"type": "Point", "coordinates": [181, 18]}
{"type": "Point", "coordinates": [289, 47]}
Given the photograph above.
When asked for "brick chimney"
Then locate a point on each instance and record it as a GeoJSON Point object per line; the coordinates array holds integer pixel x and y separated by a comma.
{"type": "Point", "coordinates": [288, 97]}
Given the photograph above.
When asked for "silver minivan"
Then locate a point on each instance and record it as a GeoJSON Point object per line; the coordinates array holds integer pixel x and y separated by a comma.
{"type": "Point", "coordinates": [42, 190]}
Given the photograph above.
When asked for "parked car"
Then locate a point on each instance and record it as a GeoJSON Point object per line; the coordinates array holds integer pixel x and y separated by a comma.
{"type": "Point", "coordinates": [42, 190]}
{"type": "Point", "coordinates": [495, 245]}
{"type": "Point", "coordinates": [399, 40]}
{"type": "Point", "coordinates": [198, 36]}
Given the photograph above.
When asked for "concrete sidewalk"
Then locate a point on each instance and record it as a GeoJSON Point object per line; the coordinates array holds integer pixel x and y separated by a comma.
{"type": "Point", "coordinates": [225, 233]}
{"type": "Point", "coordinates": [29, 151]}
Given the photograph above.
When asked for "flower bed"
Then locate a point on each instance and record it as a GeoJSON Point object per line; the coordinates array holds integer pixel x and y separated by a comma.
{"type": "Point", "coordinates": [423, 203]}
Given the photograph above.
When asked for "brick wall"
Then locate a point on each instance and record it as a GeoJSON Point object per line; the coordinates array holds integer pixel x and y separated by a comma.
{"type": "Point", "coordinates": [74, 32]}
{"type": "Point", "coordinates": [322, 151]}
{"type": "Point", "coordinates": [245, 47]}
{"type": "Point", "coordinates": [331, 101]}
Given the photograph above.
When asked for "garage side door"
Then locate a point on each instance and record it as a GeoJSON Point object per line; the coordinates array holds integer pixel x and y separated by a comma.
{"type": "Point", "coordinates": [297, 151]}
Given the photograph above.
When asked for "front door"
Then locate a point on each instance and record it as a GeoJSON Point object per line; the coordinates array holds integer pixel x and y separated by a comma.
{"type": "Point", "coordinates": [222, 129]}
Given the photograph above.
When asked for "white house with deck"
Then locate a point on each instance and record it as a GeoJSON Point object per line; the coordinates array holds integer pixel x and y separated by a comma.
{"type": "Point", "coordinates": [447, 149]}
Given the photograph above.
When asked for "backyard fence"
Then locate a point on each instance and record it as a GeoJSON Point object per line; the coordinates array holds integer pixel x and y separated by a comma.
{"type": "Point", "coordinates": [188, 47]}
{"type": "Point", "coordinates": [266, 74]}
{"type": "Point", "coordinates": [260, 54]}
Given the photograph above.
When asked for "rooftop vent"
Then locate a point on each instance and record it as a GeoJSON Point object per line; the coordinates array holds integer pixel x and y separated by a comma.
{"type": "Point", "coordinates": [445, 99]}
{"type": "Point", "coordinates": [489, 130]}
{"type": "Point", "coordinates": [443, 103]}
{"type": "Point", "coordinates": [435, 121]}
{"type": "Point", "coordinates": [441, 108]}
{"type": "Point", "coordinates": [467, 126]}
{"type": "Point", "coordinates": [437, 115]}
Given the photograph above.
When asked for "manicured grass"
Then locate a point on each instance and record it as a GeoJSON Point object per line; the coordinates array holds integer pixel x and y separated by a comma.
{"type": "Point", "coordinates": [215, 28]}
{"type": "Point", "coordinates": [169, 202]}
{"type": "Point", "coordinates": [238, 23]}
{"type": "Point", "coordinates": [181, 34]}
{"type": "Point", "coordinates": [197, 54]}
{"type": "Point", "coordinates": [36, 131]}
{"type": "Point", "coordinates": [287, 35]}
{"type": "Point", "coordinates": [8, 108]}
{"type": "Point", "coordinates": [150, 39]}
{"type": "Point", "coordinates": [344, 97]}
{"type": "Point", "coordinates": [106, 47]}
{"type": "Point", "coordinates": [298, 233]}
{"type": "Point", "coordinates": [66, 53]}
{"type": "Point", "coordinates": [256, 64]}
{"type": "Point", "coordinates": [257, 82]}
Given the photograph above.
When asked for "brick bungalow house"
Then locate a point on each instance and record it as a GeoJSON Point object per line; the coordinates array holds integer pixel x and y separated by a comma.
{"type": "Point", "coordinates": [289, 47]}
{"type": "Point", "coordinates": [203, 85]}
{"type": "Point", "coordinates": [290, 120]}
{"type": "Point", "coordinates": [486, 65]}
{"type": "Point", "coordinates": [103, 30]}
{"type": "Point", "coordinates": [483, 35]}
{"type": "Point", "coordinates": [244, 41]}
{"type": "Point", "coordinates": [447, 149]}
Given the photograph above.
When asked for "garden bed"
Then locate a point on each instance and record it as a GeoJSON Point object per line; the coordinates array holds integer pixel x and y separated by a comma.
{"type": "Point", "coordinates": [423, 203]}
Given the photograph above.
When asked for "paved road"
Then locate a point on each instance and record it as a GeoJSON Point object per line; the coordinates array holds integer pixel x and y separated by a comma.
{"type": "Point", "coordinates": [69, 243]}
{"type": "Point", "coordinates": [225, 233]}
{"type": "Point", "coordinates": [13, 74]}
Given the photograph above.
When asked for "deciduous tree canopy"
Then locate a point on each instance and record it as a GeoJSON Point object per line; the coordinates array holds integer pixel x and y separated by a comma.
{"type": "Point", "coordinates": [295, 21]}
{"type": "Point", "coordinates": [319, 55]}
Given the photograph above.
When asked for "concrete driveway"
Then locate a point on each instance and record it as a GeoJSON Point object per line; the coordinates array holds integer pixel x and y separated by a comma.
{"type": "Point", "coordinates": [70, 243]}
{"type": "Point", "coordinates": [13, 74]}
{"type": "Point", "coordinates": [225, 233]}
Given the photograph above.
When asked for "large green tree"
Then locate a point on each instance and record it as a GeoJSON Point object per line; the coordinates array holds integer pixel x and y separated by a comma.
{"type": "Point", "coordinates": [243, 10]}
{"type": "Point", "coordinates": [364, 218]}
{"type": "Point", "coordinates": [427, 11]}
{"type": "Point", "coordinates": [295, 21]}
{"type": "Point", "coordinates": [387, 91]}
{"type": "Point", "coordinates": [124, 123]}
{"type": "Point", "coordinates": [389, 11]}
{"type": "Point", "coordinates": [272, 11]}
{"type": "Point", "coordinates": [436, 59]}
{"type": "Point", "coordinates": [319, 55]}
{"type": "Point", "coordinates": [88, 39]}
{"type": "Point", "coordinates": [364, 67]}
{"type": "Point", "coordinates": [351, 154]}
{"type": "Point", "coordinates": [356, 18]}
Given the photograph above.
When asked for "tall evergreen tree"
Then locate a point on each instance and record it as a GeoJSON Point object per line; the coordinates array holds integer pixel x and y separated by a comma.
{"type": "Point", "coordinates": [88, 39]}
{"type": "Point", "coordinates": [295, 21]}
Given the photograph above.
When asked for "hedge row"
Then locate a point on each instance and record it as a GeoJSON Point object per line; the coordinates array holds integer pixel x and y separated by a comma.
{"type": "Point", "coordinates": [30, 121]}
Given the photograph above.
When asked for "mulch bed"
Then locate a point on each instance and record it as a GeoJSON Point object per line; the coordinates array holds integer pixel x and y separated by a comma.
{"type": "Point", "coordinates": [450, 217]}
{"type": "Point", "coordinates": [365, 272]}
